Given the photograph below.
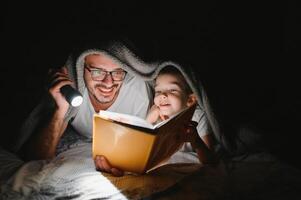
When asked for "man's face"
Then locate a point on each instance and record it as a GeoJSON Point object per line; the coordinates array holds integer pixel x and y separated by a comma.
{"type": "Point", "coordinates": [101, 91]}
{"type": "Point", "coordinates": [170, 98]}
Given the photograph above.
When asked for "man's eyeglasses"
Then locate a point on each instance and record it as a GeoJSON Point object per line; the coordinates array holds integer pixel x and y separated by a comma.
{"type": "Point", "coordinates": [100, 74]}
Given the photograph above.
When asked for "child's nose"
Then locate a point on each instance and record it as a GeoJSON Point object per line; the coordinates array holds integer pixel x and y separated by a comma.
{"type": "Point", "coordinates": [163, 95]}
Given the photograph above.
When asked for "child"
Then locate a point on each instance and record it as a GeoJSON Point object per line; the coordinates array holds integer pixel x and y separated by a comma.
{"type": "Point", "coordinates": [173, 94]}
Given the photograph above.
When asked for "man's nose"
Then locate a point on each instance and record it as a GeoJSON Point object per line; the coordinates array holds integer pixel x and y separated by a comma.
{"type": "Point", "coordinates": [108, 78]}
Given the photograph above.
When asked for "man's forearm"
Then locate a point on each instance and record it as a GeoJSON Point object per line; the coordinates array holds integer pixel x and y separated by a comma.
{"type": "Point", "coordinates": [44, 142]}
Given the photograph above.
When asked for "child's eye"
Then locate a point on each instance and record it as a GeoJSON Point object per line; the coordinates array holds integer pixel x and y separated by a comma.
{"type": "Point", "coordinates": [173, 90]}
{"type": "Point", "coordinates": [157, 93]}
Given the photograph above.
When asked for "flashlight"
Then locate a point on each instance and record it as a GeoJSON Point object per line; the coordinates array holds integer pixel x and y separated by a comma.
{"type": "Point", "coordinates": [72, 96]}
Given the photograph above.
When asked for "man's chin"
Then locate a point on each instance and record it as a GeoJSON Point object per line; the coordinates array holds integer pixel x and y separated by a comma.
{"type": "Point", "coordinates": [105, 99]}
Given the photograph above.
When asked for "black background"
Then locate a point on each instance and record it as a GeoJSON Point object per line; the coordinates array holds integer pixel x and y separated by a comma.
{"type": "Point", "coordinates": [247, 54]}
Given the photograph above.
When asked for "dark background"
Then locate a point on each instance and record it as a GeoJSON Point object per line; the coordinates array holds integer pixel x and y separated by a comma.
{"type": "Point", "coordinates": [247, 54]}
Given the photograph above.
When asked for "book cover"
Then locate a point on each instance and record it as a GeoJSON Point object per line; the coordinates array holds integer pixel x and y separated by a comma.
{"type": "Point", "coordinates": [134, 145]}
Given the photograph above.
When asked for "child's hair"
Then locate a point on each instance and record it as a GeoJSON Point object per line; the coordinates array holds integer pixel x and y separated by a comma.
{"type": "Point", "coordinates": [174, 71]}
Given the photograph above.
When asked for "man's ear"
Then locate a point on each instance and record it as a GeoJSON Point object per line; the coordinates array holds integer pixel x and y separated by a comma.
{"type": "Point", "coordinates": [191, 100]}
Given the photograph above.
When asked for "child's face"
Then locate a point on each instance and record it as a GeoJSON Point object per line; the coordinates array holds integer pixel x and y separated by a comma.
{"type": "Point", "coordinates": [170, 97]}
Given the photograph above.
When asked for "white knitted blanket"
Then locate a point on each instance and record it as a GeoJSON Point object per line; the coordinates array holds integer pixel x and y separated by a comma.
{"type": "Point", "coordinates": [72, 175]}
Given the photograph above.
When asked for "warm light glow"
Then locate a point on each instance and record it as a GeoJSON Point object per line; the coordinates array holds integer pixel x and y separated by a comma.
{"type": "Point", "coordinates": [99, 187]}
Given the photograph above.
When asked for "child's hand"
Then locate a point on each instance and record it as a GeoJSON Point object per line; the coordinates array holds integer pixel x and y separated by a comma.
{"type": "Point", "coordinates": [153, 115]}
{"type": "Point", "coordinates": [191, 134]}
{"type": "Point", "coordinates": [163, 117]}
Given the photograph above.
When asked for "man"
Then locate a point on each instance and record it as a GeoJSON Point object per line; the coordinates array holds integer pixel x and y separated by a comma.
{"type": "Point", "coordinates": [105, 85]}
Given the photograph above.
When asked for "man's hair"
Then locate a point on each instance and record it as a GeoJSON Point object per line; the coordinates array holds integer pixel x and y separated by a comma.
{"type": "Point", "coordinates": [171, 70]}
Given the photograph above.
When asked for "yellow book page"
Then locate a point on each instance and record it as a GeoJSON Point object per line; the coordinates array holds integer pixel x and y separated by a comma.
{"type": "Point", "coordinates": [124, 147]}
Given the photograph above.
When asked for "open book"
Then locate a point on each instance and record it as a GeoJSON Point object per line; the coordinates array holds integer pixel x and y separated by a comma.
{"type": "Point", "coordinates": [134, 145]}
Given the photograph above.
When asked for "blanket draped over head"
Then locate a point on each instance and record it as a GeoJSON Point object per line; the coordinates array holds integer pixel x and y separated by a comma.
{"type": "Point", "coordinates": [72, 175]}
{"type": "Point", "coordinates": [72, 172]}
{"type": "Point", "coordinates": [122, 53]}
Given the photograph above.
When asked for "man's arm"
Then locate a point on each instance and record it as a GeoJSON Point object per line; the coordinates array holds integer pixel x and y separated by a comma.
{"type": "Point", "coordinates": [43, 143]}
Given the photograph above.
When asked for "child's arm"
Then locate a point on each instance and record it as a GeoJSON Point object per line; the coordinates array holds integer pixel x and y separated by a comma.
{"type": "Point", "coordinates": [205, 155]}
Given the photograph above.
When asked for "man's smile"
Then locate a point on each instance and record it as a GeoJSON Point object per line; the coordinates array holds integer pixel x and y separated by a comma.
{"type": "Point", "coordinates": [105, 90]}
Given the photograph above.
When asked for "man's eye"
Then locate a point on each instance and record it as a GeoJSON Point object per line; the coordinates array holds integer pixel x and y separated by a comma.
{"type": "Point", "coordinates": [118, 72]}
{"type": "Point", "coordinates": [173, 90]}
{"type": "Point", "coordinates": [96, 72]}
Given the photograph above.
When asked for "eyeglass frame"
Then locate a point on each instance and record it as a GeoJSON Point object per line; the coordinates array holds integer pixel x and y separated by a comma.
{"type": "Point", "coordinates": [107, 72]}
